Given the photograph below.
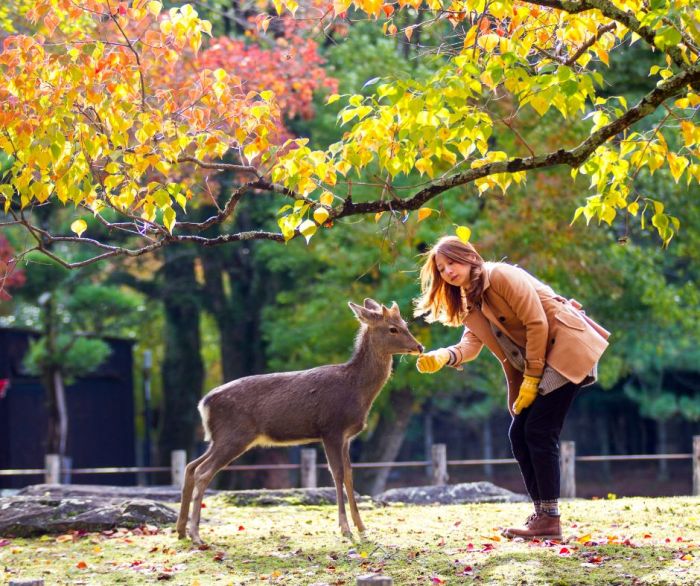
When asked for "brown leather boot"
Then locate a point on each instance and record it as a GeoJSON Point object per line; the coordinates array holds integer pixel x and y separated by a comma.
{"type": "Point", "coordinates": [538, 526]}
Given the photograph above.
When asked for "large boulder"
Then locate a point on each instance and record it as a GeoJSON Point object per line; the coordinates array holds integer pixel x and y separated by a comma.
{"type": "Point", "coordinates": [451, 494]}
{"type": "Point", "coordinates": [25, 516]}
{"type": "Point", "coordinates": [287, 496]}
{"type": "Point", "coordinates": [155, 493]}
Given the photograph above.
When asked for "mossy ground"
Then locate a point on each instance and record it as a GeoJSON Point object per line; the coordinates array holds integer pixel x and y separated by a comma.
{"type": "Point", "coordinates": [621, 541]}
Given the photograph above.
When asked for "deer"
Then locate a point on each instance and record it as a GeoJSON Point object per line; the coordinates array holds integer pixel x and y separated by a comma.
{"type": "Point", "coordinates": [327, 404]}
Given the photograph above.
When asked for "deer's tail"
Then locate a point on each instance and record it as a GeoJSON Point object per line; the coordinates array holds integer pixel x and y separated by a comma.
{"type": "Point", "coordinates": [204, 413]}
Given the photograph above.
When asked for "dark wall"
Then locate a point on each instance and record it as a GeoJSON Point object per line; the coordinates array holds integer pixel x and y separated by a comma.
{"type": "Point", "coordinates": [100, 412]}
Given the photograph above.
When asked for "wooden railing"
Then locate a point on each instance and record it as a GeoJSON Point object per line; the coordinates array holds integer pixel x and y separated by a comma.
{"type": "Point", "coordinates": [309, 466]}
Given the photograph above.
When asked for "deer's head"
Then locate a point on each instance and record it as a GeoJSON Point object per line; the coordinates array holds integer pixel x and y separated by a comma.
{"type": "Point", "coordinates": [389, 329]}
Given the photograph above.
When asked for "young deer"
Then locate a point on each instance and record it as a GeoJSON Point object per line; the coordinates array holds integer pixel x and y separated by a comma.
{"type": "Point", "coordinates": [327, 404]}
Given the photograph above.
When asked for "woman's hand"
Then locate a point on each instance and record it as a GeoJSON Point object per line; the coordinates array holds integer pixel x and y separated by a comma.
{"type": "Point", "coordinates": [433, 361]}
{"type": "Point", "coordinates": [527, 394]}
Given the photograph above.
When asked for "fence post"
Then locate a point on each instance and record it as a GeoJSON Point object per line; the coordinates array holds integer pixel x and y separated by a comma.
{"type": "Point", "coordinates": [308, 468]}
{"type": "Point", "coordinates": [52, 464]}
{"type": "Point", "coordinates": [567, 466]}
{"type": "Point", "coordinates": [439, 459]}
{"type": "Point", "coordinates": [178, 461]}
{"type": "Point", "coordinates": [696, 465]}
{"type": "Point", "coordinates": [374, 580]}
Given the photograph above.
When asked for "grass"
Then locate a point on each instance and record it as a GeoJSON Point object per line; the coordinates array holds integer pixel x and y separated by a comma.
{"type": "Point", "coordinates": [621, 541]}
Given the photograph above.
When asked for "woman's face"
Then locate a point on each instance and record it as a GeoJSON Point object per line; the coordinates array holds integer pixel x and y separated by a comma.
{"type": "Point", "coordinates": [453, 272]}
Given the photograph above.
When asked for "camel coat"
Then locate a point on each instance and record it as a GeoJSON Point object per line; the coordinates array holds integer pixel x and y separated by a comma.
{"type": "Point", "coordinates": [550, 328]}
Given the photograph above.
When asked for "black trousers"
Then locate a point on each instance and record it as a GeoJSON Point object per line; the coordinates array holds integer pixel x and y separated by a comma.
{"type": "Point", "coordinates": [534, 438]}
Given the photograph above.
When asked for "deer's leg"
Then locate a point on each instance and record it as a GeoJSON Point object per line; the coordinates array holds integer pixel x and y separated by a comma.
{"type": "Point", "coordinates": [186, 497]}
{"type": "Point", "coordinates": [334, 455]}
{"type": "Point", "coordinates": [217, 457]}
{"type": "Point", "coordinates": [347, 470]}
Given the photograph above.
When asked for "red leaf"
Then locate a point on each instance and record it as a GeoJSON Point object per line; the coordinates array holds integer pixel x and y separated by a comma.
{"type": "Point", "coordinates": [121, 10]}
{"type": "Point", "coordinates": [81, 565]}
{"type": "Point", "coordinates": [4, 542]}
{"type": "Point", "coordinates": [241, 528]}
{"type": "Point", "coordinates": [564, 551]}
{"type": "Point", "coordinates": [204, 506]}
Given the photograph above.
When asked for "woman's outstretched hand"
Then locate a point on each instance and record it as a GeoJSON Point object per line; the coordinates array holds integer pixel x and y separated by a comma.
{"type": "Point", "coordinates": [527, 393]}
{"type": "Point", "coordinates": [433, 361]}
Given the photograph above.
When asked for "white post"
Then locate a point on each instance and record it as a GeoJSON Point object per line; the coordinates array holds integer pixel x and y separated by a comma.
{"type": "Point", "coordinates": [439, 458]}
{"type": "Point", "coordinates": [308, 468]}
{"type": "Point", "coordinates": [178, 461]}
{"type": "Point", "coordinates": [52, 464]}
{"type": "Point", "coordinates": [374, 580]}
{"type": "Point", "coordinates": [567, 467]}
{"type": "Point", "coordinates": [696, 465]}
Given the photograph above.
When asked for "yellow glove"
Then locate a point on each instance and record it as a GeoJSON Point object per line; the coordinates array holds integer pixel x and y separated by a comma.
{"type": "Point", "coordinates": [527, 393]}
{"type": "Point", "coordinates": [433, 361]}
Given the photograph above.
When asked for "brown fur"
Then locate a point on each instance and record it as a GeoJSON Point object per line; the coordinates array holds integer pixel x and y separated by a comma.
{"type": "Point", "coordinates": [327, 404]}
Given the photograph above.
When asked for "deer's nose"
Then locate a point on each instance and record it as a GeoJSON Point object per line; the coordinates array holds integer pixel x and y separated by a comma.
{"type": "Point", "coordinates": [420, 348]}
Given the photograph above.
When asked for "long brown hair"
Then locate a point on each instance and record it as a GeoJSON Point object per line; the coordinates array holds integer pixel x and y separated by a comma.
{"type": "Point", "coordinates": [440, 301]}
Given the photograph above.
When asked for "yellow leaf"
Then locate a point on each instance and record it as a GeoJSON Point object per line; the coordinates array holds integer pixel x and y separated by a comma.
{"type": "Point", "coordinates": [154, 7]}
{"type": "Point", "coordinates": [326, 198]}
{"type": "Point", "coordinates": [424, 213]}
{"type": "Point", "coordinates": [307, 229]}
{"type": "Point", "coordinates": [79, 226]}
{"type": "Point", "coordinates": [320, 215]}
{"type": "Point", "coordinates": [332, 98]}
{"type": "Point", "coordinates": [377, 216]}
{"type": "Point", "coordinates": [463, 233]}
{"type": "Point", "coordinates": [584, 538]}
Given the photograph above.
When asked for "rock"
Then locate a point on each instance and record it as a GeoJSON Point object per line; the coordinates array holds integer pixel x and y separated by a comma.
{"type": "Point", "coordinates": [155, 493]}
{"type": "Point", "coordinates": [288, 496]}
{"type": "Point", "coordinates": [25, 516]}
{"type": "Point", "coordinates": [451, 494]}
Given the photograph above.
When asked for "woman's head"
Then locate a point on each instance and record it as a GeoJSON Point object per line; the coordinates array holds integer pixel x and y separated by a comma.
{"type": "Point", "coordinates": [451, 281]}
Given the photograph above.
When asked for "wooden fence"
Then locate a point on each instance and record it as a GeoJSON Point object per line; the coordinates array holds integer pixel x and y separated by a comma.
{"type": "Point", "coordinates": [308, 466]}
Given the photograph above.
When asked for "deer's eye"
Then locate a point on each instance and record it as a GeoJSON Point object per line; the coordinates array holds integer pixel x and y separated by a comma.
{"type": "Point", "coordinates": [393, 330]}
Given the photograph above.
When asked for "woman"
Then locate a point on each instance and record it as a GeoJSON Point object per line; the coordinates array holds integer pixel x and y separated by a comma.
{"type": "Point", "coordinates": [547, 346]}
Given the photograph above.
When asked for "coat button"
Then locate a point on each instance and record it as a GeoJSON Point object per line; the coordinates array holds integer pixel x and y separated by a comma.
{"type": "Point", "coordinates": [514, 352]}
{"type": "Point", "coordinates": [498, 334]}
{"type": "Point", "coordinates": [553, 339]}
{"type": "Point", "coordinates": [501, 318]}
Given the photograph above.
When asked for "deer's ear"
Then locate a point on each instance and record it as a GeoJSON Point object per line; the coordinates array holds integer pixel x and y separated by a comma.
{"type": "Point", "coordinates": [372, 304]}
{"type": "Point", "coordinates": [392, 311]}
{"type": "Point", "coordinates": [362, 313]}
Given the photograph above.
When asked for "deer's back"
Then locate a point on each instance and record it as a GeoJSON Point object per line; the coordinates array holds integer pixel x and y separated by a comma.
{"type": "Point", "coordinates": [289, 406]}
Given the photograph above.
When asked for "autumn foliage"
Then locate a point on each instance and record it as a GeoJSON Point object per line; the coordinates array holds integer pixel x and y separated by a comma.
{"type": "Point", "coordinates": [105, 102]}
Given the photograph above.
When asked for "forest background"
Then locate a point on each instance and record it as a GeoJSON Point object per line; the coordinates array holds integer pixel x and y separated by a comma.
{"type": "Point", "coordinates": [211, 314]}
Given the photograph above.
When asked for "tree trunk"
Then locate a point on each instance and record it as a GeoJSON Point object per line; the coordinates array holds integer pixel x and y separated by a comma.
{"type": "Point", "coordinates": [662, 448]}
{"type": "Point", "coordinates": [385, 443]}
{"type": "Point", "coordinates": [487, 441]}
{"type": "Point", "coordinates": [182, 368]}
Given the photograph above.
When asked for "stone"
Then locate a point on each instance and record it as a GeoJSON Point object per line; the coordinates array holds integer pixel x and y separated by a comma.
{"type": "Point", "coordinates": [451, 494]}
{"type": "Point", "coordinates": [155, 493]}
{"type": "Point", "coordinates": [287, 496]}
{"type": "Point", "coordinates": [26, 516]}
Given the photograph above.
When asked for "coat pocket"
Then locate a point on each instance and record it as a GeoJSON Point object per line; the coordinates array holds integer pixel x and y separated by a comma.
{"type": "Point", "coordinates": [570, 320]}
